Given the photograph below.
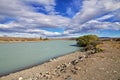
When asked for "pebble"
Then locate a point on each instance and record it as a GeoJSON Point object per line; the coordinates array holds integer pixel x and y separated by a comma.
{"type": "Point", "coordinates": [80, 57]}
{"type": "Point", "coordinates": [101, 68]}
{"type": "Point", "coordinates": [107, 71]}
{"type": "Point", "coordinates": [115, 71]}
{"type": "Point", "coordinates": [59, 70]}
{"type": "Point", "coordinates": [52, 60]}
{"type": "Point", "coordinates": [20, 78]}
{"type": "Point", "coordinates": [74, 62]}
{"type": "Point", "coordinates": [119, 79]}
{"type": "Point", "coordinates": [77, 68]}
{"type": "Point", "coordinates": [62, 70]}
{"type": "Point", "coordinates": [47, 72]}
{"type": "Point", "coordinates": [73, 71]}
{"type": "Point", "coordinates": [68, 77]}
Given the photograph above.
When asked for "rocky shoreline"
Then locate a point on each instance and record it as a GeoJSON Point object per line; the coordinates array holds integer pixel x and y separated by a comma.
{"type": "Point", "coordinates": [49, 71]}
{"type": "Point", "coordinates": [76, 66]}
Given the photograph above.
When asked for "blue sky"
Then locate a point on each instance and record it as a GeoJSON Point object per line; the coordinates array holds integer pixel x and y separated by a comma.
{"type": "Point", "coordinates": [59, 18]}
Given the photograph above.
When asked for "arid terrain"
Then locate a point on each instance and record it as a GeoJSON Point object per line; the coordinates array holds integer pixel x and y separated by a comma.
{"type": "Point", "coordinates": [77, 66]}
{"type": "Point", "coordinates": [22, 39]}
{"type": "Point", "coordinates": [19, 39]}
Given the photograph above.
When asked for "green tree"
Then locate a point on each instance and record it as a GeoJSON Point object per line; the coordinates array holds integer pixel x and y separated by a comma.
{"type": "Point", "coordinates": [40, 38]}
{"type": "Point", "coordinates": [46, 39]}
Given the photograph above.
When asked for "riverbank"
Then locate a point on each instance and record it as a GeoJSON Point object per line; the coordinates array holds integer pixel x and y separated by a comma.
{"type": "Point", "coordinates": [77, 66]}
{"type": "Point", "coordinates": [20, 39]}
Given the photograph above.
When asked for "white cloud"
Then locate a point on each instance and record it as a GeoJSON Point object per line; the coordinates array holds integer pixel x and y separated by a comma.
{"type": "Point", "coordinates": [9, 25]}
{"type": "Point", "coordinates": [91, 10]}
{"type": "Point", "coordinates": [48, 5]}
{"type": "Point", "coordinates": [95, 8]}
{"type": "Point", "coordinates": [96, 25]}
{"type": "Point", "coordinates": [93, 26]}
{"type": "Point", "coordinates": [26, 18]}
{"type": "Point", "coordinates": [12, 8]}
{"type": "Point", "coordinates": [41, 20]}
{"type": "Point", "coordinates": [20, 11]}
{"type": "Point", "coordinates": [29, 22]}
{"type": "Point", "coordinates": [16, 34]}
{"type": "Point", "coordinates": [43, 32]}
{"type": "Point", "coordinates": [105, 17]}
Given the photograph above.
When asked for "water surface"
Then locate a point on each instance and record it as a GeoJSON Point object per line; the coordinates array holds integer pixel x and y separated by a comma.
{"type": "Point", "coordinates": [16, 56]}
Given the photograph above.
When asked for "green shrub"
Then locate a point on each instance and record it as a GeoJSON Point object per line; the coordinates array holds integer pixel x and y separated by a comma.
{"type": "Point", "coordinates": [46, 39]}
{"type": "Point", "coordinates": [87, 40]}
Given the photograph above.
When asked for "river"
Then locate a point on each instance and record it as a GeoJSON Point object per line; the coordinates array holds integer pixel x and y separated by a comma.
{"type": "Point", "coordinates": [17, 56]}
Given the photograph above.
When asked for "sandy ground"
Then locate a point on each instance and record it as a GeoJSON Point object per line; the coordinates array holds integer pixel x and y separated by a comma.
{"type": "Point", "coordinates": [77, 66]}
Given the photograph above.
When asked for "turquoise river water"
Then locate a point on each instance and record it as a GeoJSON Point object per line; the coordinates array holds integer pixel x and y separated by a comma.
{"type": "Point", "coordinates": [17, 56]}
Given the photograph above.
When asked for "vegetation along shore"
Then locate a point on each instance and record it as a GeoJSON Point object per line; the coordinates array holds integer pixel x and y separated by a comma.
{"type": "Point", "coordinates": [21, 39]}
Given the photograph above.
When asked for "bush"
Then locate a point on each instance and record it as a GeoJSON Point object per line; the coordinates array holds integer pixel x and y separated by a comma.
{"type": "Point", "coordinates": [89, 47]}
{"type": "Point", "coordinates": [86, 40]}
{"type": "Point", "coordinates": [118, 39]}
{"type": "Point", "coordinates": [89, 42]}
{"type": "Point", "coordinates": [46, 39]}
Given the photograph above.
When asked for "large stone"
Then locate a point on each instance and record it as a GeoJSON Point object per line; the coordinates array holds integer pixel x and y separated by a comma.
{"type": "Point", "coordinates": [20, 78]}
{"type": "Point", "coordinates": [74, 62]}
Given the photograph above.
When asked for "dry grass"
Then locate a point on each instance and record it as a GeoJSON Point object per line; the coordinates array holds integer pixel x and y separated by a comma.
{"type": "Point", "coordinates": [18, 39]}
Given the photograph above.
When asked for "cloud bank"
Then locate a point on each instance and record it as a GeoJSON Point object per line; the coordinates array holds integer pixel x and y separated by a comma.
{"type": "Point", "coordinates": [29, 17]}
